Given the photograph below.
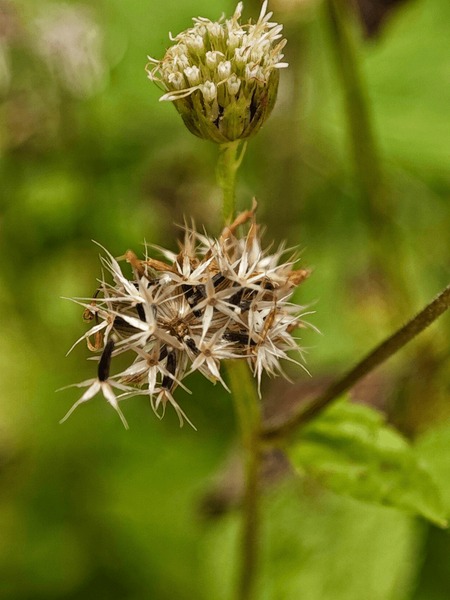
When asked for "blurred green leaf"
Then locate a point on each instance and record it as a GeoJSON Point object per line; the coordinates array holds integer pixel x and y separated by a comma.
{"type": "Point", "coordinates": [317, 545]}
{"type": "Point", "coordinates": [434, 450]}
{"type": "Point", "coordinates": [351, 450]}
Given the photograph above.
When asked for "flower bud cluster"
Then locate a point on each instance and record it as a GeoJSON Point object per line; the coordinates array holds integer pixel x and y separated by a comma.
{"type": "Point", "coordinates": [223, 76]}
{"type": "Point", "coordinates": [217, 299]}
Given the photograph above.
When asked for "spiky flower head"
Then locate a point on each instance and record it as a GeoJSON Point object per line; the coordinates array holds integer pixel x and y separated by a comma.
{"type": "Point", "coordinates": [223, 76]}
{"type": "Point", "coordinates": [214, 300]}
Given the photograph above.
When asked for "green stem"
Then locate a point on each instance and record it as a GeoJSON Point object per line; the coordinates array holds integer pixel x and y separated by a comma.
{"type": "Point", "coordinates": [245, 400]}
{"type": "Point", "coordinates": [365, 151]}
{"type": "Point", "coordinates": [249, 414]}
{"type": "Point", "coordinates": [382, 352]}
{"type": "Point", "coordinates": [228, 164]}
{"type": "Point", "coordinates": [376, 204]}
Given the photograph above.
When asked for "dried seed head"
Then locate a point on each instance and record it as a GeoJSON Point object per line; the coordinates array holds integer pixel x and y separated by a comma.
{"type": "Point", "coordinates": [223, 77]}
{"type": "Point", "coordinates": [217, 299]}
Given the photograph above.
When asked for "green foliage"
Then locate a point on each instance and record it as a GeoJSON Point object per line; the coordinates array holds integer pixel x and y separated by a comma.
{"type": "Point", "coordinates": [434, 450]}
{"type": "Point", "coordinates": [319, 546]}
{"type": "Point", "coordinates": [351, 450]}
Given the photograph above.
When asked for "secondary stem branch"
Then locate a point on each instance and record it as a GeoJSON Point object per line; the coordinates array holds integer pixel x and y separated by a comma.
{"type": "Point", "coordinates": [381, 353]}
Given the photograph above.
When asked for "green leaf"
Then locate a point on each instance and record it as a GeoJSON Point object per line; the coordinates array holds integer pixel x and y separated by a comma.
{"type": "Point", "coordinates": [352, 451]}
{"type": "Point", "coordinates": [434, 450]}
{"type": "Point", "coordinates": [317, 545]}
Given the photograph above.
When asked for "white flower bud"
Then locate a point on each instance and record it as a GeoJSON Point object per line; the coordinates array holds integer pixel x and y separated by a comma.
{"type": "Point", "coordinates": [240, 57]}
{"type": "Point", "coordinates": [209, 91]}
{"type": "Point", "coordinates": [224, 69]}
{"type": "Point", "coordinates": [215, 31]}
{"type": "Point", "coordinates": [253, 71]}
{"type": "Point", "coordinates": [177, 80]}
{"type": "Point", "coordinates": [193, 75]}
{"type": "Point", "coordinates": [259, 51]}
{"type": "Point", "coordinates": [233, 85]}
{"type": "Point", "coordinates": [233, 41]}
{"type": "Point", "coordinates": [195, 43]}
{"type": "Point", "coordinates": [212, 58]}
{"type": "Point", "coordinates": [182, 49]}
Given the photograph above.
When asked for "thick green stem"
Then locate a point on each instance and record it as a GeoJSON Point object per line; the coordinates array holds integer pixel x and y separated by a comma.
{"type": "Point", "coordinates": [228, 164]}
{"type": "Point", "coordinates": [381, 353]}
{"type": "Point", "coordinates": [249, 414]}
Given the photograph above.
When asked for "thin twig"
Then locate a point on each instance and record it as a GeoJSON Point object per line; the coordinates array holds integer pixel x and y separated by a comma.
{"type": "Point", "coordinates": [381, 353]}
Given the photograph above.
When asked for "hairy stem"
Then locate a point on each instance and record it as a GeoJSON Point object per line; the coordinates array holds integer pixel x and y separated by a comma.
{"type": "Point", "coordinates": [228, 164]}
{"type": "Point", "coordinates": [381, 353]}
{"type": "Point", "coordinates": [249, 414]}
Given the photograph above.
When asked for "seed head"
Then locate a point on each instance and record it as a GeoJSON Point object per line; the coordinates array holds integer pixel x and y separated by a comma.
{"type": "Point", "coordinates": [223, 76]}
{"type": "Point", "coordinates": [214, 300]}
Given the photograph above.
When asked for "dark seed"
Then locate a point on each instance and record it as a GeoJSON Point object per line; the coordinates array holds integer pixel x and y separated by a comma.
{"type": "Point", "coordinates": [141, 312]}
{"type": "Point", "coordinates": [105, 362]}
{"type": "Point", "coordinates": [171, 366]}
{"type": "Point", "coordinates": [191, 344]}
{"type": "Point", "coordinates": [240, 337]}
{"type": "Point", "coordinates": [243, 298]}
{"type": "Point", "coordinates": [218, 279]}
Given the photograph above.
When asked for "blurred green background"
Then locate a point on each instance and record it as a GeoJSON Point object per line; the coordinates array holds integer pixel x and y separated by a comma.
{"type": "Point", "coordinates": [89, 510]}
